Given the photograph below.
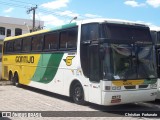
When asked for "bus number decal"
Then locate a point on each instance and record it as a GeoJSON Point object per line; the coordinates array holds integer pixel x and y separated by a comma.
{"type": "Point", "coordinates": [68, 60]}
{"type": "Point", "coordinates": [24, 59]}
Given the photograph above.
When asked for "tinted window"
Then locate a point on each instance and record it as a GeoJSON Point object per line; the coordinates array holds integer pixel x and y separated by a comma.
{"type": "Point", "coordinates": [89, 32]}
{"type": "Point", "coordinates": [18, 31]}
{"type": "Point", "coordinates": [37, 43]}
{"type": "Point", "coordinates": [158, 37]}
{"type": "Point", "coordinates": [94, 63]}
{"type": "Point", "coordinates": [126, 33]}
{"type": "Point", "coordinates": [8, 32]}
{"type": "Point", "coordinates": [2, 31]}
{"type": "Point", "coordinates": [26, 46]}
{"type": "Point", "coordinates": [51, 41]}
{"type": "Point", "coordinates": [8, 46]}
{"type": "Point", "coordinates": [68, 39]}
{"type": "Point", "coordinates": [17, 45]}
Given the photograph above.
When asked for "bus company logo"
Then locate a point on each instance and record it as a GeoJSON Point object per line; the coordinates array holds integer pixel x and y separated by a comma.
{"type": "Point", "coordinates": [127, 83]}
{"type": "Point", "coordinates": [68, 60]}
{"type": "Point", "coordinates": [24, 59]}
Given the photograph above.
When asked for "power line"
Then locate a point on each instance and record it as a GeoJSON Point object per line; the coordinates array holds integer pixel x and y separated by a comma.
{"type": "Point", "coordinates": [13, 5]}
{"type": "Point", "coordinates": [57, 13]}
{"type": "Point", "coordinates": [22, 2]}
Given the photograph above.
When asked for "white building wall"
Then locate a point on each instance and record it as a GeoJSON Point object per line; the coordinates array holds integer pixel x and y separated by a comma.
{"type": "Point", "coordinates": [13, 23]}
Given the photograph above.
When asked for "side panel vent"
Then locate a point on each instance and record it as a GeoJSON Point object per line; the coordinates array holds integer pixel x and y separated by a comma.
{"type": "Point", "coordinates": [5, 71]}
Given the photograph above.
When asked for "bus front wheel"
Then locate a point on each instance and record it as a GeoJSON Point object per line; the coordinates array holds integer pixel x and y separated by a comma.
{"type": "Point", "coordinates": [78, 94]}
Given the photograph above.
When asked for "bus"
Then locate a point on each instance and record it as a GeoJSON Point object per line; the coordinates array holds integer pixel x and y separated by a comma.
{"type": "Point", "coordinates": [101, 61]}
{"type": "Point", "coordinates": [155, 33]}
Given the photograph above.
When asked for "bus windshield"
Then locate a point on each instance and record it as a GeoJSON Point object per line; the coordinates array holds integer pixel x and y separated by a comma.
{"type": "Point", "coordinates": [124, 61]}
{"type": "Point", "coordinates": [116, 33]}
{"type": "Point", "coordinates": [129, 53]}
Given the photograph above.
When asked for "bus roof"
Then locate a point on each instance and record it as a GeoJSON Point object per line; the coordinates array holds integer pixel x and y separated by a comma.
{"type": "Point", "coordinates": [114, 21]}
{"type": "Point", "coordinates": [40, 31]}
{"type": "Point", "coordinates": [99, 20]}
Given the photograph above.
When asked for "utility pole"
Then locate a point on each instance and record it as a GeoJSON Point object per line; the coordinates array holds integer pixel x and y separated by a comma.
{"type": "Point", "coordinates": [34, 11]}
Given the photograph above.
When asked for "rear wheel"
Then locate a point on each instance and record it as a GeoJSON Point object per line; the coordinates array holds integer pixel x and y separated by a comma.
{"type": "Point", "coordinates": [11, 78]}
{"type": "Point", "coordinates": [16, 80]}
{"type": "Point", "coordinates": [78, 94]}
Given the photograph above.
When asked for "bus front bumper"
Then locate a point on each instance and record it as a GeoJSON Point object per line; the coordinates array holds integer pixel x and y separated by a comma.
{"type": "Point", "coordinates": [123, 97]}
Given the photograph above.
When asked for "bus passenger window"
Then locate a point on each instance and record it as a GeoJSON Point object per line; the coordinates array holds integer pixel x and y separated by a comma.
{"type": "Point", "coordinates": [26, 46]}
{"type": "Point", "coordinates": [63, 40]}
{"type": "Point", "coordinates": [51, 41]}
{"type": "Point", "coordinates": [17, 45]}
{"type": "Point", "coordinates": [68, 39]}
{"type": "Point", "coordinates": [89, 32]}
{"type": "Point", "coordinates": [37, 43]}
{"type": "Point", "coordinates": [9, 46]}
{"type": "Point", "coordinates": [72, 38]}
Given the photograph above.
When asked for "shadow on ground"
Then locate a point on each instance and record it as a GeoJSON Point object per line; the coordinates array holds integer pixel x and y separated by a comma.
{"type": "Point", "coordinates": [105, 111]}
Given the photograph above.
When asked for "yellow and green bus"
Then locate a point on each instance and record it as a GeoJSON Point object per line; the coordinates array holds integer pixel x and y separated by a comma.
{"type": "Point", "coordinates": [101, 61]}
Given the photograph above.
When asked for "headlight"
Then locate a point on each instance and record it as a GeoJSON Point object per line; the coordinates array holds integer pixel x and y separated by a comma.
{"type": "Point", "coordinates": [116, 87]}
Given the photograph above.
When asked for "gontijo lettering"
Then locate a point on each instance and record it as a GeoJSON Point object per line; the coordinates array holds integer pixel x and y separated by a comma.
{"type": "Point", "coordinates": [24, 59]}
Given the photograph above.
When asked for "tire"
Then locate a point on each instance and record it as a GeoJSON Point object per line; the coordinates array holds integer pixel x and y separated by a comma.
{"type": "Point", "coordinates": [16, 80]}
{"type": "Point", "coordinates": [78, 94]}
{"type": "Point", "coordinates": [11, 78]}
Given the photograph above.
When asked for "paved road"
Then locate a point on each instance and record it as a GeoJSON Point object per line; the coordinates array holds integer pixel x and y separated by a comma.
{"type": "Point", "coordinates": [30, 99]}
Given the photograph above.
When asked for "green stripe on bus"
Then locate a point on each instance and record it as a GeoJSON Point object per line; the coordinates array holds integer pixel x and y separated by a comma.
{"type": "Point", "coordinates": [64, 26]}
{"type": "Point", "coordinates": [152, 81]}
{"type": "Point", "coordinates": [47, 67]}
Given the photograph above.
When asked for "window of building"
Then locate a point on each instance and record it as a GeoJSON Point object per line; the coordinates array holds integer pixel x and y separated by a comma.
{"type": "Point", "coordinates": [8, 32]}
{"type": "Point", "coordinates": [18, 31]}
{"type": "Point", "coordinates": [17, 45]}
{"type": "Point", "coordinates": [37, 43]}
{"type": "Point", "coordinates": [68, 38]}
{"type": "Point", "coordinates": [26, 45]}
{"type": "Point", "coordinates": [51, 41]}
{"type": "Point", "coordinates": [2, 31]}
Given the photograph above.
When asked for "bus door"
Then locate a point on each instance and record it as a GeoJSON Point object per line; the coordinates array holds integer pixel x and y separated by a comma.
{"type": "Point", "coordinates": [94, 74]}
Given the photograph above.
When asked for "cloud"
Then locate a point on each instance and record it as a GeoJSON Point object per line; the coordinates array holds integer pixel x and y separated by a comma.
{"type": "Point", "coordinates": [151, 25]}
{"type": "Point", "coordinates": [154, 3]}
{"type": "Point", "coordinates": [55, 4]}
{"type": "Point", "coordinates": [68, 13]}
{"type": "Point", "coordinates": [92, 16]}
{"type": "Point", "coordinates": [9, 10]}
{"type": "Point", "coordinates": [50, 20]}
{"type": "Point", "coordinates": [134, 3]}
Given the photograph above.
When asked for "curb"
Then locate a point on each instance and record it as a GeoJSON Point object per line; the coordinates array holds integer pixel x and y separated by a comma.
{"type": "Point", "coordinates": [5, 82]}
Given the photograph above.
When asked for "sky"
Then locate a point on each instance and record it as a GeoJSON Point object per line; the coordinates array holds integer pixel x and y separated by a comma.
{"type": "Point", "coordinates": [58, 12]}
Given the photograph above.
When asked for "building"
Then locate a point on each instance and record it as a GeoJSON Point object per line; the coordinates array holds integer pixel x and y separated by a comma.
{"type": "Point", "coordinates": [15, 26]}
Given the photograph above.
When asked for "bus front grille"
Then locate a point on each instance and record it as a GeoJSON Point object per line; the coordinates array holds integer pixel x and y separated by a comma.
{"type": "Point", "coordinates": [130, 87]}
{"type": "Point", "coordinates": [143, 86]}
